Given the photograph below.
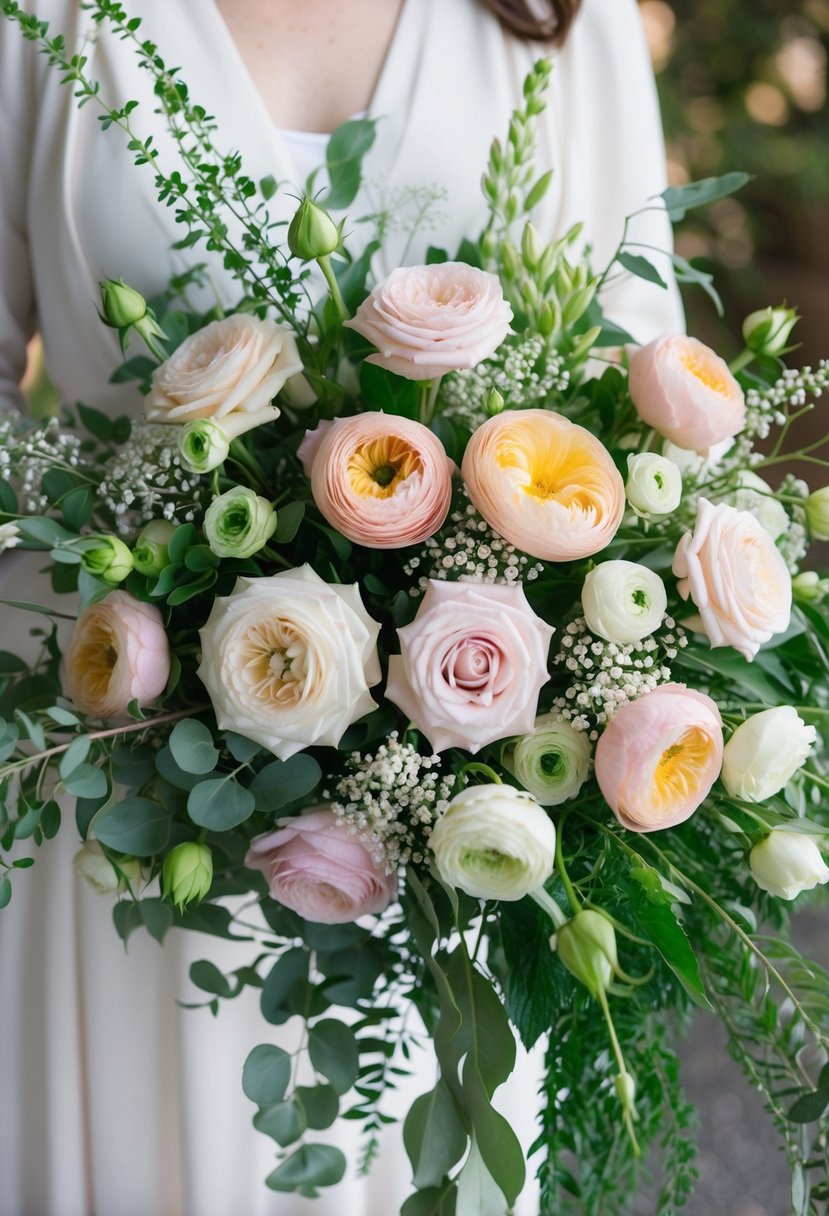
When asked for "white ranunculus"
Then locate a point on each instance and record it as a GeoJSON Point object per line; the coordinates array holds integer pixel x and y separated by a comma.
{"type": "Point", "coordinates": [288, 660]}
{"type": "Point", "coordinates": [552, 762]}
{"type": "Point", "coordinates": [654, 484]}
{"type": "Point", "coordinates": [494, 842]}
{"type": "Point", "coordinates": [786, 863]}
{"type": "Point", "coordinates": [623, 602]}
{"type": "Point", "coordinates": [98, 872]}
{"type": "Point", "coordinates": [755, 495]}
{"type": "Point", "coordinates": [765, 752]}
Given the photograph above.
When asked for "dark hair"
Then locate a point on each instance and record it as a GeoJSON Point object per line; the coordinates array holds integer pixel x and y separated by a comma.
{"type": "Point", "coordinates": [547, 22]}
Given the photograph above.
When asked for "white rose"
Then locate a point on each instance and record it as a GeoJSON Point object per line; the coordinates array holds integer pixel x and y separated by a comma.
{"type": "Point", "coordinates": [288, 660]}
{"type": "Point", "coordinates": [98, 872]}
{"type": "Point", "coordinates": [623, 602]}
{"type": "Point", "coordinates": [552, 762]}
{"type": "Point", "coordinates": [230, 371]}
{"type": "Point", "coordinates": [786, 863]}
{"type": "Point", "coordinates": [755, 495]}
{"type": "Point", "coordinates": [494, 842]}
{"type": "Point", "coordinates": [765, 752]}
{"type": "Point", "coordinates": [654, 484]}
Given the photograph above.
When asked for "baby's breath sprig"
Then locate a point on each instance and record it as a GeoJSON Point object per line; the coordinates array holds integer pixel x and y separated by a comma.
{"type": "Point", "coordinates": [525, 370]}
{"type": "Point", "coordinates": [146, 479]}
{"type": "Point", "coordinates": [28, 453]}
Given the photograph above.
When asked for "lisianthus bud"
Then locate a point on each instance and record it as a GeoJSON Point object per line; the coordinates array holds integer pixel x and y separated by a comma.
{"type": "Point", "coordinates": [122, 305]}
{"type": "Point", "coordinates": [203, 445]}
{"type": "Point", "coordinates": [104, 876]}
{"type": "Point", "coordinates": [587, 947]}
{"type": "Point", "coordinates": [765, 752]}
{"type": "Point", "coordinates": [767, 331]}
{"type": "Point", "coordinates": [786, 863]}
{"type": "Point", "coordinates": [532, 247]}
{"type": "Point", "coordinates": [238, 523]}
{"type": "Point", "coordinates": [187, 874]}
{"type": "Point", "coordinates": [149, 553]}
{"type": "Point", "coordinates": [817, 513]}
{"type": "Point", "coordinates": [552, 762]}
{"type": "Point", "coordinates": [654, 484]}
{"type": "Point", "coordinates": [110, 559]}
{"type": "Point", "coordinates": [623, 602]}
{"type": "Point", "coordinates": [312, 233]}
{"type": "Point", "coordinates": [809, 587]}
{"type": "Point", "coordinates": [625, 1087]}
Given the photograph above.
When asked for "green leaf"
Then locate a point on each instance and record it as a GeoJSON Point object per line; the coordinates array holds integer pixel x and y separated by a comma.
{"type": "Point", "coordinates": [132, 766]}
{"type": "Point", "coordinates": [432, 1202]}
{"type": "Point", "coordinates": [434, 1136]}
{"type": "Point", "coordinates": [5, 891]}
{"type": "Point", "coordinates": [679, 200]}
{"type": "Point", "coordinates": [156, 916]}
{"type": "Point", "coordinates": [220, 803]}
{"type": "Point", "coordinates": [191, 743]}
{"type": "Point", "coordinates": [320, 1103]}
{"type": "Point", "coordinates": [661, 925]}
{"type": "Point", "coordinates": [182, 539]}
{"type": "Point", "coordinates": [499, 1147]}
{"type": "Point", "coordinates": [312, 1165]}
{"type": "Point", "coordinates": [240, 747]}
{"type": "Point", "coordinates": [537, 191]}
{"type": "Point", "coordinates": [687, 272]}
{"type": "Point", "coordinates": [288, 519]}
{"type": "Point", "coordinates": [77, 507]}
{"type": "Point", "coordinates": [284, 781]}
{"type": "Point", "coordinates": [333, 1050]}
{"type": "Point", "coordinates": [75, 754]}
{"type": "Point", "coordinates": [87, 781]}
{"type": "Point", "coordinates": [136, 825]}
{"type": "Point", "coordinates": [641, 267]}
{"type": "Point", "coordinates": [268, 187]}
{"type": "Point", "coordinates": [290, 968]}
{"type": "Point", "coordinates": [44, 531]}
{"type": "Point", "coordinates": [284, 1122]}
{"type": "Point", "coordinates": [344, 159]}
{"type": "Point", "coordinates": [209, 978]}
{"type": "Point", "coordinates": [10, 664]}
{"type": "Point", "coordinates": [266, 1074]}
{"type": "Point", "coordinates": [50, 818]}
{"type": "Point", "coordinates": [809, 1106]}
{"type": "Point", "coordinates": [382, 390]}
{"type": "Point", "coordinates": [478, 1193]}
{"type": "Point", "coordinates": [97, 423]}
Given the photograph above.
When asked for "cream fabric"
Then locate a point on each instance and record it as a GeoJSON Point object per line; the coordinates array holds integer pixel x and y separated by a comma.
{"type": "Point", "coordinates": [113, 1100]}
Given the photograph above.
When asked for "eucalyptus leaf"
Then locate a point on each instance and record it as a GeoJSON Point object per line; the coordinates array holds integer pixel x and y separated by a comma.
{"type": "Point", "coordinates": [191, 744]}
{"type": "Point", "coordinates": [312, 1165]}
{"type": "Point", "coordinates": [220, 804]}
{"type": "Point", "coordinates": [333, 1050]}
{"type": "Point", "coordinates": [136, 825]}
{"type": "Point", "coordinates": [266, 1074]}
{"type": "Point", "coordinates": [284, 1122]}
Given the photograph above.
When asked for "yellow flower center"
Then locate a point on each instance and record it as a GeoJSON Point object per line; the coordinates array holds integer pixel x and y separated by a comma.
{"type": "Point", "coordinates": [706, 370]}
{"type": "Point", "coordinates": [678, 769]}
{"type": "Point", "coordinates": [377, 468]}
{"type": "Point", "coordinates": [97, 656]}
{"type": "Point", "coordinates": [274, 662]}
{"type": "Point", "coordinates": [564, 471]}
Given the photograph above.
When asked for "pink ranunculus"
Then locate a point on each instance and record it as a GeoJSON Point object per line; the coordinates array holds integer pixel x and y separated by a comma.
{"type": "Point", "coordinates": [735, 574]}
{"type": "Point", "coordinates": [473, 661]}
{"type": "Point", "coordinates": [429, 320]}
{"type": "Point", "coordinates": [118, 653]}
{"type": "Point", "coordinates": [686, 392]}
{"type": "Point", "coordinates": [314, 867]}
{"type": "Point", "coordinates": [659, 756]}
{"type": "Point", "coordinates": [383, 481]}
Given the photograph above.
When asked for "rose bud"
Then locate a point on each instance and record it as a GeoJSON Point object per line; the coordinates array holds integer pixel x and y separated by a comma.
{"type": "Point", "coordinates": [767, 331]}
{"type": "Point", "coordinates": [817, 513]}
{"type": "Point", "coordinates": [312, 233]}
{"type": "Point", "coordinates": [124, 308]}
{"type": "Point", "coordinates": [765, 752]}
{"type": "Point", "coordinates": [786, 863]}
{"type": "Point", "coordinates": [149, 554]}
{"type": "Point", "coordinates": [110, 559]}
{"type": "Point", "coordinates": [587, 947]}
{"type": "Point", "coordinates": [105, 876]}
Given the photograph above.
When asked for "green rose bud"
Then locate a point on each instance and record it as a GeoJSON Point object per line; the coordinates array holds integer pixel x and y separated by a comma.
{"type": "Point", "coordinates": [312, 233]}
{"type": "Point", "coordinates": [767, 331]}
{"type": "Point", "coordinates": [187, 874]}
{"type": "Point", "coordinates": [809, 588]}
{"type": "Point", "coordinates": [494, 403]}
{"type": "Point", "coordinates": [124, 309]}
{"type": "Point", "coordinates": [110, 559]}
{"type": "Point", "coordinates": [817, 513]}
{"type": "Point", "coordinates": [203, 445]}
{"type": "Point", "coordinates": [587, 947]}
{"type": "Point", "coordinates": [238, 523]}
{"type": "Point", "coordinates": [149, 553]}
{"type": "Point", "coordinates": [553, 762]}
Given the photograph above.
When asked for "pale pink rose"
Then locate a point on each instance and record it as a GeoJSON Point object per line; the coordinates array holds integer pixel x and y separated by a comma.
{"type": "Point", "coordinates": [383, 481]}
{"type": "Point", "coordinates": [230, 372]}
{"type": "Point", "coordinates": [314, 867]}
{"type": "Point", "coordinates": [735, 574]}
{"type": "Point", "coordinates": [473, 661]}
{"type": "Point", "coordinates": [429, 320]}
{"type": "Point", "coordinates": [118, 653]}
{"type": "Point", "coordinates": [546, 485]}
{"type": "Point", "coordinates": [686, 392]}
{"type": "Point", "coordinates": [659, 756]}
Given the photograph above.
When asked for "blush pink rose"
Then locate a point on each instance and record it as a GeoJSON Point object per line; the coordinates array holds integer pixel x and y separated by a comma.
{"type": "Point", "coordinates": [383, 481]}
{"type": "Point", "coordinates": [735, 574]}
{"type": "Point", "coordinates": [429, 320]}
{"type": "Point", "coordinates": [315, 868]}
{"type": "Point", "coordinates": [659, 757]}
{"type": "Point", "coordinates": [118, 653]}
{"type": "Point", "coordinates": [686, 392]}
{"type": "Point", "coordinates": [471, 666]}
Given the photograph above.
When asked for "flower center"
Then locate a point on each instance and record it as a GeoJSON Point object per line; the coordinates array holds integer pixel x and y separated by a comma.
{"type": "Point", "coordinates": [377, 468]}
{"type": "Point", "coordinates": [558, 469]}
{"type": "Point", "coordinates": [552, 764]}
{"type": "Point", "coordinates": [97, 658]}
{"type": "Point", "coordinates": [274, 662]}
{"type": "Point", "coordinates": [679, 767]}
{"type": "Point", "coordinates": [706, 371]}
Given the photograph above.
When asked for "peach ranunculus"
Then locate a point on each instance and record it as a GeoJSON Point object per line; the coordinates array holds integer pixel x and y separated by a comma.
{"type": "Point", "coordinates": [288, 660]}
{"type": "Point", "coordinates": [659, 756]}
{"type": "Point", "coordinates": [686, 392]}
{"type": "Point", "coordinates": [472, 664]}
{"type": "Point", "coordinates": [735, 574]}
{"type": "Point", "coordinates": [429, 320]}
{"type": "Point", "coordinates": [545, 484]}
{"type": "Point", "coordinates": [118, 653]}
{"type": "Point", "coordinates": [230, 372]}
{"type": "Point", "coordinates": [317, 869]}
{"type": "Point", "coordinates": [383, 481]}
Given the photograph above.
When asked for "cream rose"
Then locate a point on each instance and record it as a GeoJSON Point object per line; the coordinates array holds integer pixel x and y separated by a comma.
{"type": "Point", "coordinates": [623, 601]}
{"type": "Point", "coordinates": [230, 372]}
{"type": "Point", "coordinates": [765, 752]}
{"type": "Point", "coordinates": [288, 660]}
{"type": "Point", "coordinates": [429, 320]}
{"type": "Point", "coordinates": [473, 661]}
{"type": "Point", "coordinates": [494, 842]}
{"type": "Point", "coordinates": [736, 576]}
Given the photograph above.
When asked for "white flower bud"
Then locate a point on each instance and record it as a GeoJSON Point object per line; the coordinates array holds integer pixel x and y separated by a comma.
{"type": "Point", "coordinates": [99, 873]}
{"type": "Point", "coordinates": [786, 863]}
{"type": "Point", "coordinates": [809, 587]}
{"type": "Point", "coordinates": [654, 484]}
{"type": "Point", "coordinates": [765, 752]}
{"type": "Point", "coordinates": [767, 331]}
{"type": "Point", "coordinates": [552, 762]}
{"type": "Point", "coordinates": [9, 536]}
{"type": "Point", "coordinates": [755, 495]}
{"type": "Point", "coordinates": [623, 602]}
{"type": "Point", "coordinates": [817, 513]}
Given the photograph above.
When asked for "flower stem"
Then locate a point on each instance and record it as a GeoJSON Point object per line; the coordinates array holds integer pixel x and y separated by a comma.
{"type": "Point", "coordinates": [742, 360]}
{"type": "Point", "coordinates": [325, 266]}
{"type": "Point", "coordinates": [562, 870]}
{"type": "Point", "coordinates": [547, 904]}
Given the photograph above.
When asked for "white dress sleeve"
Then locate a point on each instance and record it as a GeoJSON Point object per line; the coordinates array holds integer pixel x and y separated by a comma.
{"type": "Point", "coordinates": [610, 135]}
{"type": "Point", "coordinates": [17, 304]}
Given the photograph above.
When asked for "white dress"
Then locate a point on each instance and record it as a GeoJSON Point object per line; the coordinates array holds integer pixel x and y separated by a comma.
{"type": "Point", "coordinates": [114, 1101]}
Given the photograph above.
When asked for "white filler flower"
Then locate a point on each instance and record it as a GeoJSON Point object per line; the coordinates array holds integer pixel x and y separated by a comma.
{"type": "Point", "coordinates": [765, 752]}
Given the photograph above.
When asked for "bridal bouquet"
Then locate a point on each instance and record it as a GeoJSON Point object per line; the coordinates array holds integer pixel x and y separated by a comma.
{"type": "Point", "coordinates": [468, 670]}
